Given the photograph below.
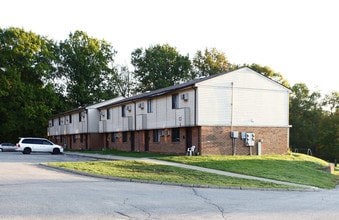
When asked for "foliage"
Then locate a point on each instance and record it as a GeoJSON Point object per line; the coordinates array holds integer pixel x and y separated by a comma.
{"type": "Point", "coordinates": [124, 81]}
{"type": "Point", "coordinates": [270, 73]}
{"type": "Point", "coordinates": [314, 127]}
{"type": "Point", "coordinates": [87, 65]}
{"type": "Point", "coordinates": [26, 97]}
{"type": "Point", "coordinates": [209, 62]}
{"type": "Point", "coordinates": [159, 66]}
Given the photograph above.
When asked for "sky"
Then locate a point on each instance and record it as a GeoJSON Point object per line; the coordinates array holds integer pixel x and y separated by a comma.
{"type": "Point", "coordinates": [297, 38]}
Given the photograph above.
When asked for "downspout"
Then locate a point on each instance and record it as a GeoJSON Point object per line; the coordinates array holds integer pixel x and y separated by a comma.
{"type": "Point", "coordinates": [195, 119]}
{"type": "Point", "coordinates": [232, 105]}
{"type": "Point", "coordinates": [232, 109]}
{"type": "Point", "coordinates": [135, 126]}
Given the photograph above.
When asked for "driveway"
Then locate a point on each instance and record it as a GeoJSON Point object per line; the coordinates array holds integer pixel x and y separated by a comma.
{"type": "Point", "coordinates": [30, 191]}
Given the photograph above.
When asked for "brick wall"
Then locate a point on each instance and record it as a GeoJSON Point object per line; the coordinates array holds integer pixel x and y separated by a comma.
{"type": "Point", "coordinates": [165, 145]}
{"type": "Point", "coordinates": [218, 141]}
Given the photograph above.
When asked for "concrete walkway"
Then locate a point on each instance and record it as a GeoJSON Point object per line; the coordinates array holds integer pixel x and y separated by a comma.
{"type": "Point", "coordinates": [225, 173]}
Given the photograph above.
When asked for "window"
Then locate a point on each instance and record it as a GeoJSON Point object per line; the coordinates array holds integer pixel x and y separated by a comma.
{"type": "Point", "coordinates": [123, 111]}
{"type": "Point", "coordinates": [124, 136]}
{"type": "Point", "coordinates": [70, 119]}
{"type": "Point", "coordinates": [80, 116]}
{"type": "Point", "coordinates": [74, 138]}
{"type": "Point", "coordinates": [113, 137]}
{"type": "Point", "coordinates": [149, 106]}
{"type": "Point", "coordinates": [59, 121]}
{"type": "Point", "coordinates": [81, 138]}
{"type": "Point", "coordinates": [108, 113]}
{"type": "Point", "coordinates": [156, 135]}
{"type": "Point", "coordinates": [175, 134]}
{"type": "Point", "coordinates": [175, 101]}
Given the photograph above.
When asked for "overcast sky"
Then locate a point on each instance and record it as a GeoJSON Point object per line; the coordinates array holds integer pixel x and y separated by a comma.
{"type": "Point", "coordinates": [298, 38]}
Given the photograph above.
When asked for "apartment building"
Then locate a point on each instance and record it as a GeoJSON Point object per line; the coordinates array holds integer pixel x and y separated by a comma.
{"type": "Point", "coordinates": [236, 113]}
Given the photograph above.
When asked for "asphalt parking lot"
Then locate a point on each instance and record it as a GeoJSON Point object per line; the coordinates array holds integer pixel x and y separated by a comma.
{"type": "Point", "coordinates": [31, 191]}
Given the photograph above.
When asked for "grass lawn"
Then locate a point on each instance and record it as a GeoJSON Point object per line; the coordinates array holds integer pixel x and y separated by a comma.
{"type": "Point", "coordinates": [139, 170]}
{"type": "Point", "coordinates": [295, 168]}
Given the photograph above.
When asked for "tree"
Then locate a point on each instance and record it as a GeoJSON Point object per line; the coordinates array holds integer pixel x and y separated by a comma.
{"type": "Point", "coordinates": [305, 117]}
{"type": "Point", "coordinates": [332, 102]}
{"type": "Point", "coordinates": [86, 66]}
{"type": "Point", "coordinates": [328, 147]}
{"type": "Point", "coordinates": [270, 73]}
{"type": "Point", "coordinates": [124, 81]}
{"type": "Point", "coordinates": [159, 66]}
{"type": "Point", "coordinates": [210, 62]}
{"type": "Point", "coordinates": [27, 100]}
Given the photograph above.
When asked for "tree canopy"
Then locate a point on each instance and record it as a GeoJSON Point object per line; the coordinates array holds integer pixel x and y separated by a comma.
{"type": "Point", "coordinates": [86, 64]}
{"type": "Point", "coordinates": [209, 62]}
{"type": "Point", "coordinates": [26, 101]}
{"type": "Point", "coordinates": [159, 66]}
{"type": "Point", "coordinates": [270, 73]}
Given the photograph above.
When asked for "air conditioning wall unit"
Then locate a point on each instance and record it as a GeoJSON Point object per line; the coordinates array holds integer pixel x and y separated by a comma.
{"type": "Point", "coordinates": [141, 105]}
{"type": "Point", "coordinates": [184, 96]}
{"type": "Point", "coordinates": [167, 132]}
{"type": "Point", "coordinates": [129, 108]}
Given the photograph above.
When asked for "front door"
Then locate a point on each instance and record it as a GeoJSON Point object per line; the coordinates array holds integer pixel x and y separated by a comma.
{"type": "Point", "coordinates": [132, 141]}
{"type": "Point", "coordinates": [188, 137]}
{"type": "Point", "coordinates": [146, 141]}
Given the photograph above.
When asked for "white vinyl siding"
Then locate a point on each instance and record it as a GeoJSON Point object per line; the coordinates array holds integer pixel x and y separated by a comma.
{"type": "Point", "coordinates": [214, 106]}
{"type": "Point", "coordinates": [242, 98]}
{"type": "Point", "coordinates": [260, 108]}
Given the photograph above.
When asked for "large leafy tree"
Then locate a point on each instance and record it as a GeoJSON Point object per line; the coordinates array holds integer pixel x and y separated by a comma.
{"type": "Point", "coordinates": [159, 66]}
{"type": "Point", "coordinates": [328, 147]}
{"type": "Point", "coordinates": [305, 117]}
{"type": "Point", "coordinates": [26, 97]}
{"type": "Point", "coordinates": [209, 62]}
{"type": "Point", "coordinates": [87, 69]}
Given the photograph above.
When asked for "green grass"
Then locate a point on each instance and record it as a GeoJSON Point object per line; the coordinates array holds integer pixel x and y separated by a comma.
{"type": "Point", "coordinates": [139, 170]}
{"type": "Point", "coordinates": [294, 168]}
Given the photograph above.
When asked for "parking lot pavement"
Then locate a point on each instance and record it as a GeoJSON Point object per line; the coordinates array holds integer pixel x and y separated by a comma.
{"type": "Point", "coordinates": [29, 191]}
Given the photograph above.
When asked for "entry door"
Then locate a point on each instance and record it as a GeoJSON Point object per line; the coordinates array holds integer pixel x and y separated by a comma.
{"type": "Point", "coordinates": [132, 141]}
{"type": "Point", "coordinates": [146, 141]}
{"type": "Point", "coordinates": [188, 137]}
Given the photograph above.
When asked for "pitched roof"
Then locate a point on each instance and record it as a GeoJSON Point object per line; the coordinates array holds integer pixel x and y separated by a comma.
{"type": "Point", "coordinates": [165, 90]}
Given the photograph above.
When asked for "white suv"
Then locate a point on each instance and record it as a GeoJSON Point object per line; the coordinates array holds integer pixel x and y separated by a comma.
{"type": "Point", "coordinates": [27, 145]}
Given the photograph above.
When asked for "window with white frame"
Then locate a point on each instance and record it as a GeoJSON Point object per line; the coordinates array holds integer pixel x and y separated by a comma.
{"type": "Point", "coordinates": [108, 113]}
{"type": "Point", "coordinates": [113, 136]}
{"type": "Point", "coordinates": [175, 101]}
{"type": "Point", "coordinates": [175, 134]}
{"type": "Point", "coordinates": [156, 135]}
{"type": "Point", "coordinates": [149, 106]}
{"type": "Point", "coordinates": [123, 111]}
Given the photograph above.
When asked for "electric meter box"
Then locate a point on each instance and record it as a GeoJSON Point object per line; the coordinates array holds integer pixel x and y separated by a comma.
{"type": "Point", "coordinates": [234, 134]}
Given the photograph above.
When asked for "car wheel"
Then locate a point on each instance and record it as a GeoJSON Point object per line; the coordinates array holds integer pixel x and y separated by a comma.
{"type": "Point", "coordinates": [56, 151]}
{"type": "Point", "coordinates": [1, 150]}
{"type": "Point", "coordinates": [26, 151]}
